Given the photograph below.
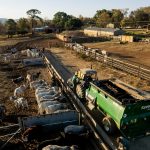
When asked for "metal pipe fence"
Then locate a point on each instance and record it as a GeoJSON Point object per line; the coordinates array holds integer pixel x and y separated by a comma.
{"type": "Point", "coordinates": [138, 70]}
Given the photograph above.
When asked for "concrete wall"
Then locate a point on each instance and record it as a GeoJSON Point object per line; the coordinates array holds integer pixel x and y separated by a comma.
{"type": "Point", "coordinates": [63, 37]}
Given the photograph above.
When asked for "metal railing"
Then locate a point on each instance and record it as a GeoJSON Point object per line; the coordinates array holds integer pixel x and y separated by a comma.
{"type": "Point", "coordinates": [138, 70]}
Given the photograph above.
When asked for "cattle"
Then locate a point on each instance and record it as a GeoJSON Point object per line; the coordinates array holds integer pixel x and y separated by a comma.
{"type": "Point", "coordinates": [61, 111]}
{"type": "Point", "coordinates": [32, 76]}
{"type": "Point", "coordinates": [37, 83]}
{"type": "Point", "coordinates": [41, 89]}
{"type": "Point", "coordinates": [46, 89]}
{"type": "Point", "coordinates": [46, 98]}
{"type": "Point", "coordinates": [51, 94]}
{"type": "Point", "coordinates": [13, 50]}
{"type": "Point", "coordinates": [15, 56]}
{"type": "Point", "coordinates": [18, 80]}
{"type": "Point", "coordinates": [76, 134]}
{"type": "Point", "coordinates": [20, 91]}
{"type": "Point", "coordinates": [24, 52]}
{"type": "Point", "coordinates": [7, 58]}
{"type": "Point", "coordinates": [21, 103]}
{"type": "Point", "coordinates": [59, 97]}
{"type": "Point", "coordinates": [56, 147]}
{"type": "Point", "coordinates": [74, 129]}
{"type": "Point", "coordinates": [45, 104]}
{"type": "Point", "coordinates": [40, 85]}
{"type": "Point", "coordinates": [52, 108]}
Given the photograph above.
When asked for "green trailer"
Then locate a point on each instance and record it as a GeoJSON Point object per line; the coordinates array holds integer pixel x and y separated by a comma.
{"type": "Point", "coordinates": [122, 110]}
{"type": "Point", "coordinates": [124, 107]}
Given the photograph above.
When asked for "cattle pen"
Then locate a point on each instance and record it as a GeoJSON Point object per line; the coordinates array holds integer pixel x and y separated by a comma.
{"type": "Point", "coordinates": [13, 131]}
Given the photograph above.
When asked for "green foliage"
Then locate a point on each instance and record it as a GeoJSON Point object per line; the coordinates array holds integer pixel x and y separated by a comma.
{"type": "Point", "coordinates": [33, 13]}
{"type": "Point", "coordinates": [11, 26]}
{"type": "Point", "coordinates": [23, 25]}
{"type": "Point", "coordinates": [2, 28]}
{"type": "Point", "coordinates": [117, 16]}
{"type": "Point", "coordinates": [88, 21]}
{"type": "Point", "coordinates": [103, 19]}
{"type": "Point", "coordinates": [64, 21]}
{"type": "Point", "coordinates": [73, 23]}
{"type": "Point", "coordinates": [60, 18]}
{"type": "Point", "coordinates": [137, 18]}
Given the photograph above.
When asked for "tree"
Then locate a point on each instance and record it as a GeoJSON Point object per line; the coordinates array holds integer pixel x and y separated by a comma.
{"type": "Point", "coordinates": [102, 17]}
{"type": "Point", "coordinates": [140, 17]}
{"type": "Point", "coordinates": [33, 13]}
{"type": "Point", "coordinates": [87, 21]}
{"type": "Point", "coordinates": [126, 22]}
{"type": "Point", "coordinates": [64, 21]}
{"type": "Point", "coordinates": [73, 23]}
{"type": "Point", "coordinates": [60, 18]}
{"type": "Point", "coordinates": [11, 27]}
{"type": "Point", "coordinates": [23, 26]}
{"type": "Point", "coordinates": [117, 16]}
{"type": "Point", "coordinates": [2, 28]}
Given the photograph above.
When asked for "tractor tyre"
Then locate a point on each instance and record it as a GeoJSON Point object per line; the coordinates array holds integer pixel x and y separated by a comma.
{"type": "Point", "coordinates": [80, 91]}
{"type": "Point", "coordinates": [109, 125]}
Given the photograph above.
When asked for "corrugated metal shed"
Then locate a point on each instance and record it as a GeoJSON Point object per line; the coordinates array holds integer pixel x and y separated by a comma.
{"type": "Point", "coordinates": [97, 32]}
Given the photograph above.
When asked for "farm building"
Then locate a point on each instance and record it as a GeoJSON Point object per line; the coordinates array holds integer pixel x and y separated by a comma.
{"type": "Point", "coordinates": [96, 32]}
{"type": "Point", "coordinates": [127, 38]}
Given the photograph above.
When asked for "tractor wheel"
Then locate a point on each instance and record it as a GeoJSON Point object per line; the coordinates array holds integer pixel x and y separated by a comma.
{"type": "Point", "coordinates": [109, 125]}
{"type": "Point", "coordinates": [80, 91]}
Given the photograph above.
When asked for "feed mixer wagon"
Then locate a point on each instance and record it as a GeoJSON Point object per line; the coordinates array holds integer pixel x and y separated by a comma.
{"type": "Point", "coordinates": [124, 107]}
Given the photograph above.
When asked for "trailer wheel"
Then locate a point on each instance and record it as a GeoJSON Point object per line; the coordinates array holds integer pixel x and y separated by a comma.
{"type": "Point", "coordinates": [80, 91]}
{"type": "Point", "coordinates": [109, 125]}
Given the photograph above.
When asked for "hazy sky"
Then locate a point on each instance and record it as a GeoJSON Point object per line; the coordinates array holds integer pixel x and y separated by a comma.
{"type": "Point", "coordinates": [87, 8]}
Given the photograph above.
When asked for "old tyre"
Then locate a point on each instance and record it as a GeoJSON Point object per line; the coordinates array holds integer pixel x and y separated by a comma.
{"type": "Point", "coordinates": [80, 91]}
{"type": "Point", "coordinates": [109, 125]}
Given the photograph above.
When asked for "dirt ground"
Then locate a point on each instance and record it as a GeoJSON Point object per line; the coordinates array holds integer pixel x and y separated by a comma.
{"type": "Point", "coordinates": [8, 71]}
{"type": "Point", "coordinates": [7, 88]}
{"type": "Point", "coordinates": [138, 52]}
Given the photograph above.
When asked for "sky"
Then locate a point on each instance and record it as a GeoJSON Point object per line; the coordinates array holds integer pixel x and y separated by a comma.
{"type": "Point", "coordinates": [16, 9]}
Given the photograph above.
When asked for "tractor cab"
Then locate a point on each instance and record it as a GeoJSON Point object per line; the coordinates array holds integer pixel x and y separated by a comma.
{"type": "Point", "coordinates": [86, 74]}
{"type": "Point", "coordinates": [81, 80]}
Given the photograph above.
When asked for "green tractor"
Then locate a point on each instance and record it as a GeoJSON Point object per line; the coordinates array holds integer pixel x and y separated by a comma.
{"type": "Point", "coordinates": [81, 80]}
{"type": "Point", "coordinates": [124, 107]}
